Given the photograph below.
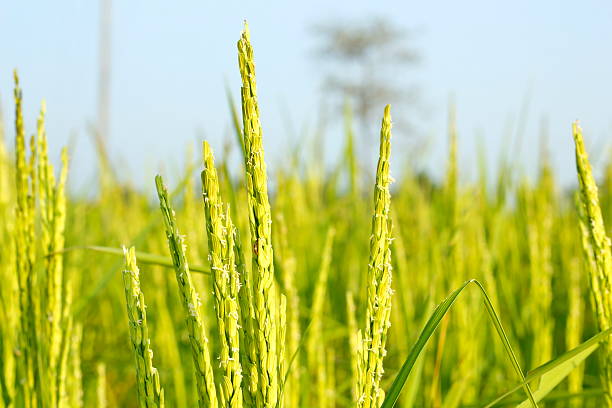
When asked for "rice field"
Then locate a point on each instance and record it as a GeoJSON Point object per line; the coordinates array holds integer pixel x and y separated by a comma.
{"type": "Point", "coordinates": [301, 287]}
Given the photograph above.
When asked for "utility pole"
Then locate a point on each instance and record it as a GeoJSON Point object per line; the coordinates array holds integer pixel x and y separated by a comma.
{"type": "Point", "coordinates": [102, 128]}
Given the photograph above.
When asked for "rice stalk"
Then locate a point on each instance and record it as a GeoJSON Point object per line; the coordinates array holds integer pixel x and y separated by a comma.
{"type": "Point", "coordinates": [354, 346]}
{"type": "Point", "coordinates": [599, 250]}
{"type": "Point", "coordinates": [331, 388]}
{"type": "Point", "coordinates": [260, 221]}
{"type": "Point", "coordinates": [373, 339]}
{"type": "Point", "coordinates": [207, 396]}
{"type": "Point", "coordinates": [61, 392]}
{"type": "Point", "coordinates": [52, 206]}
{"type": "Point", "coordinates": [9, 295]}
{"type": "Point", "coordinates": [101, 399]}
{"type": "Point", "coordinates": [248, 354]}
{"type": "Point", "coordinates": [539, 227]}
{"type": "Point", "coordinates": [288, 265]}
{"type": "Point", "coordinates": [315, 348]}
{"type": "Point", "coordinates": [27, 361]}
{"type": "Point", "coordinates": [226, 282]}
{"type": "Point", "coordinates": [282, 335]}
{"type": "Point", "coordinates": [465, 377]}
{"type": "Point", "coordinates": [167, 340]}
{"type": "Point", "coordinates": [150, 391]}
{"type": "Point", "coordinates": [74, 383]}
{"type": "Point", "coordinates": [574, 326]}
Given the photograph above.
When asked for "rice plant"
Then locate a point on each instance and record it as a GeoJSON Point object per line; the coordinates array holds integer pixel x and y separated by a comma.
{"type": "Point", "coordinates": [301, 287]}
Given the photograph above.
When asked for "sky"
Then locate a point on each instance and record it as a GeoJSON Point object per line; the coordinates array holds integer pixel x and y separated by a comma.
{"type": "Point", "coordinates": [502, 63]}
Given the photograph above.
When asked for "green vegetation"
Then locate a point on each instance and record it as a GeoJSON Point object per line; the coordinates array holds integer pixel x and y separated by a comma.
{"type": "Point", "coordinates": [305, 289]}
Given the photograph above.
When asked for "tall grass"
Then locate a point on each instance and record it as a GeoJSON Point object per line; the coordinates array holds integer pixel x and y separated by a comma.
{"type": "Point", "coordinates": [598, 254]}
{"type": "Point", "coordinates": [305, 288]}
{"type": "Point", "coordinates": [372, 340]}
{"type": "Point", "coordinates": [226, 282]}
{"type": "Point", "coordinates": [150, 392]}
{"type": "Point", "coordinates": [200, 351]}
{"type": "Point", "coordinates": [265, 296]}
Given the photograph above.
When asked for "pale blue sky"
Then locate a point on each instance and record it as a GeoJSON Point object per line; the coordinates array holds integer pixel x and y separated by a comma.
{"type": "Point", "coordinates": [171, 60]}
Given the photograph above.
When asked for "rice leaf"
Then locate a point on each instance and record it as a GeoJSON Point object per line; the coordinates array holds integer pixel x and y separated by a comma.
{"type": "Point", "coordinates": [553, 372]}
{"type": "Point", "coordinates": [428, 331]}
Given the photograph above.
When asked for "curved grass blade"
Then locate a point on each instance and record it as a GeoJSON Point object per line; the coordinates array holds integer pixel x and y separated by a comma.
{"type": "Point", "coordinates": [553, 372]}
{"type": "Point", "coordinates": [137, 241]}
{"type": "Point", "coordinates": [414, 382]}
{"type": "Point", "coordinates": [143, 257]}
{"type": "Point", "coordinates": [429, 329]}
{"type": "Point", "coordinates": [553, 396]}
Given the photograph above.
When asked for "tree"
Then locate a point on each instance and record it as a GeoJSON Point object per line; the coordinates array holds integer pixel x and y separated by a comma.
{"type": "Point", "coordinates": [367, 63]}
